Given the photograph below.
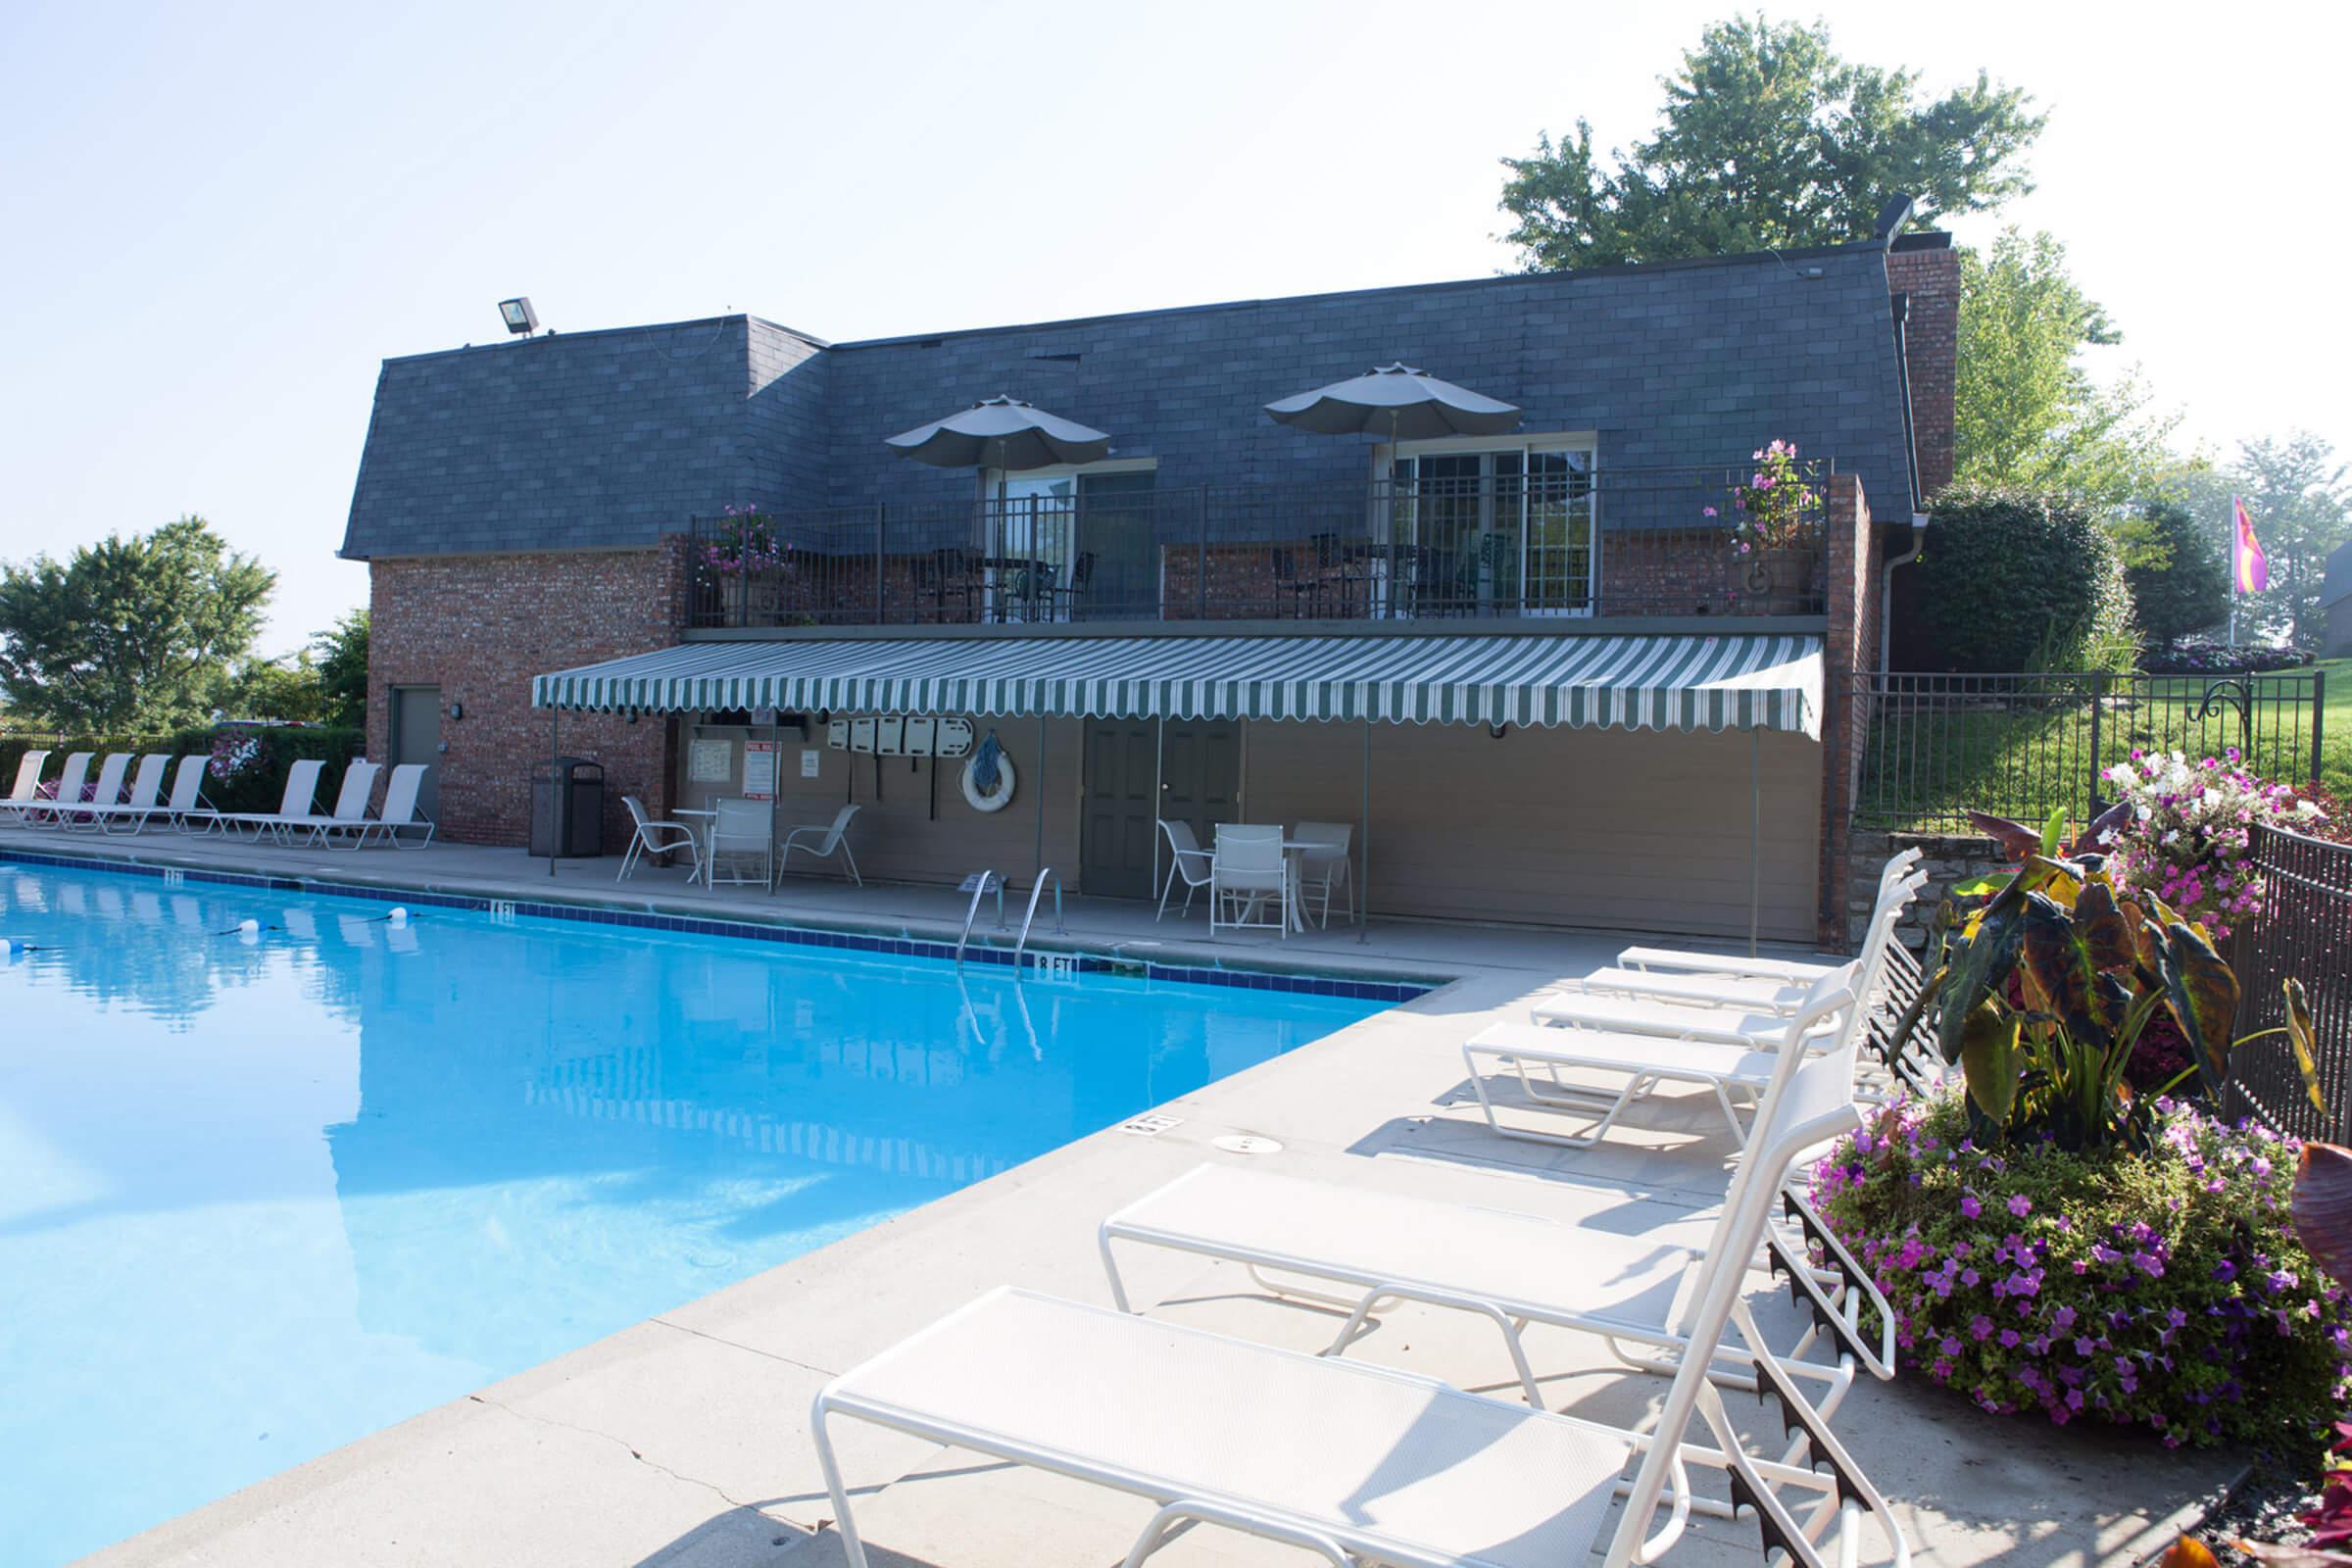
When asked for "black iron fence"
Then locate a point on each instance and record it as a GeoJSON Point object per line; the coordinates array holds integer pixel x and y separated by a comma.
{"type": "Point", "coordinates": [1936, 747]}
{"type": "Point", "coordinates": [2303, 933]}
{"type": "Point", "coordinates": [1545, 539]}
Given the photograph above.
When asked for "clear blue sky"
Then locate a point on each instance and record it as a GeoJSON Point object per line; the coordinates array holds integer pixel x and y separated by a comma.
{"type": "Point", "coordinates": [219, 219]}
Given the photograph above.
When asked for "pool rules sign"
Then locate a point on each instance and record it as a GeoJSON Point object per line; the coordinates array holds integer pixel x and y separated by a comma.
{"type": "Point", "coordinates": [759, 770]}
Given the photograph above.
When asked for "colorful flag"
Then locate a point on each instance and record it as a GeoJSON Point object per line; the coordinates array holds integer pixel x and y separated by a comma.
{"type": "Point", "coordinates": [2249, 567]}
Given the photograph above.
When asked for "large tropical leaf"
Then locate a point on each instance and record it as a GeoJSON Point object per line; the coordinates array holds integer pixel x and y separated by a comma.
{"type": "Point", "coordinates": [2017, 841]}
{"type": "Point", "coordinates": [1984, 962]}
{"type": "Point", "coordinates": [2060, 976]}
{"type": "Point", "coordinates": [1989, 1059]}
{"type": "Point", "coordinates": [2303, 1038]}
{"type": "Point", "coordinates": [2323, 1208]}
{"type": "Point", "coordinates": [2092, 840]}
{"type": "Point", "coordinates": [2103, 929]}
{"type": "Point", "coordinates": [1908, 1021]}
{"type": "Point", "coordinates": [2202, 993]}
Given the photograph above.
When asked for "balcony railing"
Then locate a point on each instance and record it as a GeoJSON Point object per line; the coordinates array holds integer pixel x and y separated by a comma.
{"type": "Point", "coordinates": [1493, 546]}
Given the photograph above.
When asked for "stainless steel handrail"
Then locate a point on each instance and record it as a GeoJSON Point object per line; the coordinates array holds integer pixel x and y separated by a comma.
{"type": "Point", "coordinates": [980, 884]}
{"type": "Point", "coordinates": [1027, 919]}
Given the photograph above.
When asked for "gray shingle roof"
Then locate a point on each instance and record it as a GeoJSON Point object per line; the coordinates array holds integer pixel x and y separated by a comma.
{"type": "Point", "coordinates": [613, 438]}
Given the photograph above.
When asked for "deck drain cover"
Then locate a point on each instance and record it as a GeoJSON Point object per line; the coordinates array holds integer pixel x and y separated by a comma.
{"type": "Point", "coordinates": [1151, 1126]}
{"type": "Point", "coordinates": [1247, 1143]}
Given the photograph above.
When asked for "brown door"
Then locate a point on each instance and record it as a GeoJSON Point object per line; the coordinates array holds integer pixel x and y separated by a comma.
{"type": "Point", "coordinates": [1201, 778]}
{"type": "Point", "coordinates": [416, 738]}
{"type": "Point", "coordinates": [1114, 850]}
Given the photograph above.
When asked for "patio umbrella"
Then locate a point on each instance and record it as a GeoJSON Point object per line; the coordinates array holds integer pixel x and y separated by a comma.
{"type": "Point", "coordinates": [1001, 433]}
{"type": "Point", "coordinates": [1399, 401]}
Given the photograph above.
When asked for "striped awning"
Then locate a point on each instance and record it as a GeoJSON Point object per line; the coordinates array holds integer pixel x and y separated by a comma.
{"type": "Point", "coordinates": [1573, 681]}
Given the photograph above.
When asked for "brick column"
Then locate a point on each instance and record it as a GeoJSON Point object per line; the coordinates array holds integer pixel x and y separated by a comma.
{"type": "Point", "coordinates": [1849, 647]}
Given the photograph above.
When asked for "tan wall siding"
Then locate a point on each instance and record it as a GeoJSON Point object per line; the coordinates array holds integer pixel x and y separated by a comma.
{"type": "Point", "coordinates": [1602, 828]}
{"type": "Point", "coordinates": [895, 837]}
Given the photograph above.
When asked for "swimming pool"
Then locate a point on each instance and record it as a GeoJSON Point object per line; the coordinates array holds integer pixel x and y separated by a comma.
{"type": "Point", "coordinates": [261, 1194]}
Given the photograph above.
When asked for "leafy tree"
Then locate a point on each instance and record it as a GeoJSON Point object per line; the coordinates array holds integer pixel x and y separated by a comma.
{"type": "Point", "coordinates": [1768, 140]}
{"type": "Point", "coordinates": [2181, 586]}
{"type": "Point", "coordinates": [2029, 415]}
{"type": "Point", "coordinates": [131, 635]}
{"type": "Point", "coordinates": [2021, 580]}
{"type": "Point", "coordinates": [342, 651]}
{"type": "Point", "coordinates": [2298, 496]}
{"type": "Point", "coordinates": [285, 689]}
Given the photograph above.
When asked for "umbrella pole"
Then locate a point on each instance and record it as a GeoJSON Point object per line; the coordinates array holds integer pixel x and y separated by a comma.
{"type": "Point", "coordinates": [1755, 832]}
{"type": "Point", "coordinates": [1041, 801]}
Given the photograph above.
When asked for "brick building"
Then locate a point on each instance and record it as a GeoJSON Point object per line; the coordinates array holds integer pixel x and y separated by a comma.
{"type": "Point", "coordinates": [554, 504]}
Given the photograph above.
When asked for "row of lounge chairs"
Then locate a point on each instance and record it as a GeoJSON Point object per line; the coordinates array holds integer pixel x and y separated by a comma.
{"type": "Point", "coordinates": [124, 800]}
{"type": "Point", "coordinates": [1360, 1465]}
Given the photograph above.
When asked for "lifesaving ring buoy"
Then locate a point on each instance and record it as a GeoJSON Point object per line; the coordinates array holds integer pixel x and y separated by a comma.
{"type": "Point", "coordinates": [1006, 782]}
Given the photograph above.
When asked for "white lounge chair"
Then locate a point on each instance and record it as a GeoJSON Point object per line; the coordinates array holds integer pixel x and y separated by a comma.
{"type": "Point", "coordinates": [1323, 864]}
{"type": "Point", "coordinates": [401, 813]}
{"type": "Point", "coordinates": [186, 807]}
{"type": "Point", "coordinates": [349, 815]}
{"type": "Point", "coordinates": [1700, 1015]}
{"type": "Point", "coordinates": [1801, 971]}
{"type": "Point", "coordinates": [141, 801]}
{"type": "Point", "coordinates": [1188, 862]}
{"type": "Point", "coordinates": [822, 843]}
{"type": "Point", "coordinates": [1360, 1464]}
{"type": "Point", "coordinates": [1777, 994]}
{"type": "Point", "coordinates": [105, 795]}
{"type": "Point", "coordinates": [649, 837]}
{"type": "Point", "coordinates": [295, 805]}
{"type": "Point", "coordinates": [67, 791]}
{"type": "Point", "coordinates": [1248, 873]}
{"type": "Point", "coordinates": [741, 830]}
{"type": "Point", "coordinates": [28, 790]}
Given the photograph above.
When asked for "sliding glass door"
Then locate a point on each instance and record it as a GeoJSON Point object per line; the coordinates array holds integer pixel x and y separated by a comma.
{"type": "Point", "coordinates": [1503, 531]}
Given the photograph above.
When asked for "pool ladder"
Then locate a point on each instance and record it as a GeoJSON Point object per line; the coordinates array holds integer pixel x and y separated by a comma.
{"type": "Point", "coordinates": [980, 884]}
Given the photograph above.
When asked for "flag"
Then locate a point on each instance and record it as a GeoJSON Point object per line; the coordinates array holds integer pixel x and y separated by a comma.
{"type": "Point", "coordinates": [2249, 567]}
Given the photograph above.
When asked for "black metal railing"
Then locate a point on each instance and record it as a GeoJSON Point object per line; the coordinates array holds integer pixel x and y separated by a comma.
{"type": "Point", "coordinates": [1936, 747]}
{"type": "Point", "coordinates": [1574, 543]}
{"type": "Point", "coordinates": [2304, 933]}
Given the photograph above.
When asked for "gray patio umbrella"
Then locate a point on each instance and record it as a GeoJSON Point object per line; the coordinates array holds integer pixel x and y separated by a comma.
{"type": "Point", "coordinates": [1001, 433]}
{"type": "Point", "coordinates": [1399, 401]}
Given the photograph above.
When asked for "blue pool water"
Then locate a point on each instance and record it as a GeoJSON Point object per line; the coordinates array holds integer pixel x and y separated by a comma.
{"type": "Point", "coordinates": [262, 1195]}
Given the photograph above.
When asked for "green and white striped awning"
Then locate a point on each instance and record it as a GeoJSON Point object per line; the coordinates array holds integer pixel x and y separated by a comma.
{"type": "Point", "coordinates": [1575, 681]}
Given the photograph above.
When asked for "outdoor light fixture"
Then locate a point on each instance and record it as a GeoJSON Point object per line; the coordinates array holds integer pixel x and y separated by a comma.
{"type": "Point", "coordinates": [457, 709]}
{"type": "Point", "coordinates": [521, 319]}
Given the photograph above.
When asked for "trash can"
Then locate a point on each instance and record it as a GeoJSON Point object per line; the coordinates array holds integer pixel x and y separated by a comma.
{"type": "Point", "coordinates": [578, 786]}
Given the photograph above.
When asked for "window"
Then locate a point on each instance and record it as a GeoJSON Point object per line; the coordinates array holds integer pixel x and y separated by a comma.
{"type": "Point", "coordinates": [1497, 529]}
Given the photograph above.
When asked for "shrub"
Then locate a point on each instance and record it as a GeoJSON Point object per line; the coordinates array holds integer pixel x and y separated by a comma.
{"type": "Point", "coordinates": [2022, 579]}
{"type": "Point", "coordinates": [2202, 656]}
{"type": "Point", "coordinates": [2162, 1288]}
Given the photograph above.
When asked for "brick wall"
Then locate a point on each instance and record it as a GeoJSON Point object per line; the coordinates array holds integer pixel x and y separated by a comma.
{"type": "Point", "coordinates": [1930, 277]}
{"type": "Point", "coordinates": [480, 628]}
{"type": "Point", "coordinates": [1849, 645]}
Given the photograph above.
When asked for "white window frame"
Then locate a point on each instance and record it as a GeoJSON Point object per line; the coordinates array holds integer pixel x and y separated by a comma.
{"type": "Point", "coordinates": [995, 484]}
{"type": "Point", "coordinates": [1385, 456]}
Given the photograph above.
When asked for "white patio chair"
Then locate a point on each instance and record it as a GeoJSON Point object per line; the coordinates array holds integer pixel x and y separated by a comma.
{"type": "Point", "coordinates": [141, 801]}
{"type": "Point", "coordinates": [1188, 862]}
{"type": "Point", "coordinates": [1248, 874]}
{"type": "Point", "coordinates": [1323, 864]}
{"type": "Point", "coordinates": [401, 814]}
{"type": "Point", "coordinates": [68, 791]}
{"type": "Point", "coordinates": [349, 815]}
{"type": "Point", "coordinates": [742, 832]}
{"type": "Point", "coordinates": [104, 795]}
{"type": "Point", "coordinates": [1366, 1464]}
{"type": "Point", "coordinates": [649, 837]}
{"type": "Point", "coordinates": [822, 843]}
{"type": "Point", "coordinates": [28, 790]}
{"type": "Point", "coordinates": [297, 804]}
{"type": "Point", "coordinates": [186, 807]}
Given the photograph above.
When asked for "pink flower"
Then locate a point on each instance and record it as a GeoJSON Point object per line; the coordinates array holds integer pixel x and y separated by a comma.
{"type": "Point", "coordinates": [1708, 512]}
{"type": "Point", "coordinates": [2020, 1206]}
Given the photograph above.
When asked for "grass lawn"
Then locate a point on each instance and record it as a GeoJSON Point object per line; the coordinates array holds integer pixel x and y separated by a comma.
{"type": "Point", "coordinates": [2024, 757]}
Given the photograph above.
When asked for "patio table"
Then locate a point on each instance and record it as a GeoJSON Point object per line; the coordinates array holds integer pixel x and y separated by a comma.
{"type": "Point", "coordinates": [710, 827]}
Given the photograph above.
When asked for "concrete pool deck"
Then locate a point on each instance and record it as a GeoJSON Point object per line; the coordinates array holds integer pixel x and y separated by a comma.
{"type": "Point", "coordinates": [684, 1441]}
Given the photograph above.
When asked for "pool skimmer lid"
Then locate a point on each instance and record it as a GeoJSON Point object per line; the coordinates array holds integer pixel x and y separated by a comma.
{"type": "Point", "coordinates": [1246, 1143]}
{"type": "Point", "coordinates": [1151, 1126]}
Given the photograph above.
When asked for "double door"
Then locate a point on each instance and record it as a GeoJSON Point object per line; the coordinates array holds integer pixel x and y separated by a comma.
{"type": "Point", "coordinates": [1504, 532]}
{"type": "Point", "coordinates": [1137, 773]}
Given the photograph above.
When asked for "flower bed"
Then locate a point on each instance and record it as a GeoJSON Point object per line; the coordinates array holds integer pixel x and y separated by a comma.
{"type": "Point", "coordinates": [2162, 1289]}
{"type": "Point", "coordinates": [2198, 656]}
{"type": "Point", "coordinates": [2190, 833]}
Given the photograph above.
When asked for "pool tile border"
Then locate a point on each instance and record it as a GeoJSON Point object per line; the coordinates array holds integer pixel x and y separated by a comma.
{"type": "Point", "coordinates": [1306, 982]}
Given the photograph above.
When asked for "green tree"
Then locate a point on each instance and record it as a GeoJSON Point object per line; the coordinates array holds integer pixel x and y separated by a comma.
{"type": "Point", "coordinates": [1768, 139]}
{"type": "Point", "coordinates": [2029, 413]}
{"type": "Point", "coordinates": [2296, 493]}
{"type": "Point", "coordinates": [2180, 584]}
{"type": "Point", "coordinates": [283, 689]}
{"type": "Point", "coordinates": [131, 635]}
{"type": "Point", "coordinates": [342, 651]}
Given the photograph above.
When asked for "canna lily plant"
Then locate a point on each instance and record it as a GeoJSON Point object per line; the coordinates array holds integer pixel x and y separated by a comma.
{"type": "Point", "coordinates": [2041, 994]}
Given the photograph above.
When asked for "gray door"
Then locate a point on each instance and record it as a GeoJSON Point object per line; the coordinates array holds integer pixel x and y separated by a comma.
{"type": "Point", "coordinates": [416, 738]}
{"type": "Point", "coordinates": [1200, 777]}
{"type": "Point", "coordinates": [1114, 849]}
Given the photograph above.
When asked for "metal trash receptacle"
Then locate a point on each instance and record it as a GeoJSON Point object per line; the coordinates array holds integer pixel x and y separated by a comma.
{"type": "Point", "coordinates": [578, 786]}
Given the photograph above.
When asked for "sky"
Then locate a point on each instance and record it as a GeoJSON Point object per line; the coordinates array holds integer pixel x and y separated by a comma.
{"type": "Point", "coordinates": [218, 221]}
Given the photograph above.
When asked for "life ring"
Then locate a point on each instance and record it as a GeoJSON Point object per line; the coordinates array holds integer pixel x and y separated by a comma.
{"type": "Point", "coordinates": [1006, 782]}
